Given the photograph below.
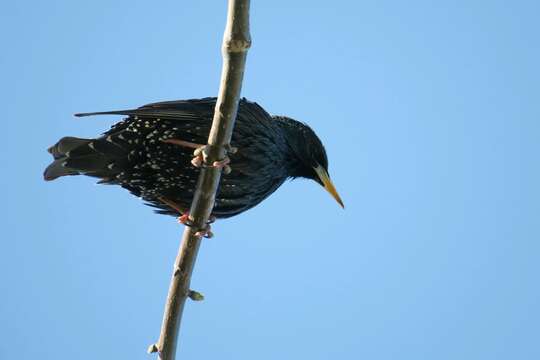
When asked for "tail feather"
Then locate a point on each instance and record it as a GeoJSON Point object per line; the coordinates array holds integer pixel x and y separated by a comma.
{"type": "Point", "coordinates": [94, 157]}
{"type": "Point", "coordinates": [65, 145]}
{"type": "Point", "coordinates": [57, 169]}
{"type": "Point", "coordinates": [89, 163]}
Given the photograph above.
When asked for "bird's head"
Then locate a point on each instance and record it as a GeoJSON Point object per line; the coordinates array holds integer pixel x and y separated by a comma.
{"type": "Point", "coordinates": [310, 160]}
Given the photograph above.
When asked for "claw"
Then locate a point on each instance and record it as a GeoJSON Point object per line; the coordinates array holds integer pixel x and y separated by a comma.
{"type": "Point", "coordinates": [197, 161]}
{"type": "Point", "coordinates": [221, 163]}
{"type": "Point", "coordinates": [231, 149]}
{"type": "Point", "coordinates": [200, 158]}
{"type": "Point", "coordinates": [206, 232]}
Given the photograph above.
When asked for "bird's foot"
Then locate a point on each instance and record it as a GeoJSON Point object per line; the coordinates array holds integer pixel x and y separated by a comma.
{"type": "Point", "coordinates": [185, 220]}
{"type": "Point", "coordinates": [200, 160]}
{"type": "Point", "coordinates": [205, 232]}
{"type": "Point", "coordinates": [200, 155]}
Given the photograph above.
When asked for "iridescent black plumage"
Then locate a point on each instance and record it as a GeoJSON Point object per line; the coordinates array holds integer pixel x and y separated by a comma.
{"type": "Point", "coordinates": [133, 155]}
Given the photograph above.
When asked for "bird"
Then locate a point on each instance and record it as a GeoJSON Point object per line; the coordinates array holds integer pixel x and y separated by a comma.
{"type": "Point", "coordinates": [150, 154]}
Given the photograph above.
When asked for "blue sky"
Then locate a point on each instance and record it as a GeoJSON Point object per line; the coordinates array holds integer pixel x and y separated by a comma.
{"type": "Point", "coordinates": [430, 116]}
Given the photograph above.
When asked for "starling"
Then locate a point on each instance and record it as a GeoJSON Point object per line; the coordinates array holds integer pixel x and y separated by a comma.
{"type": "Point", "coordinates": [149, 153]}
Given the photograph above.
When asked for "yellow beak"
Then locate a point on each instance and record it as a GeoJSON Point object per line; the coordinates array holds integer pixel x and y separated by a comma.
{"type": "Point", "coordinates": [325, 178]}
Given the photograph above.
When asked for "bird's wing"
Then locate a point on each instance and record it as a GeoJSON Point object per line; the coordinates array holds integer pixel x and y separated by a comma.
{"type": "Point", "coordinates": [197, 109]}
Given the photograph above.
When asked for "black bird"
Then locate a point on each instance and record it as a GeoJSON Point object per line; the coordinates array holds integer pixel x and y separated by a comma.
{"type": "Point", "coordinates": [149, 154]}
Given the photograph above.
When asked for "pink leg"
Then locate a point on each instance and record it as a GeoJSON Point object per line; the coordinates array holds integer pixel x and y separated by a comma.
{"type": "Point", "coordinates": [182, 143]}
{"type": "Point", "coordinates": [184, 214]}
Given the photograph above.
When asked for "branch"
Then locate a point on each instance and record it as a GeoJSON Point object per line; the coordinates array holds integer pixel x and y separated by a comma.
{"type": "Point", "coordinates": [236, 42]}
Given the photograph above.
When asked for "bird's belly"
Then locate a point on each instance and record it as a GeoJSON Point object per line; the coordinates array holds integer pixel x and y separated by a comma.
{"type": "Point", "coordinates": [242, 189]}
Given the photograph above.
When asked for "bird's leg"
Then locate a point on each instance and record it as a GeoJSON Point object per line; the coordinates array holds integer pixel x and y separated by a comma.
{"type": "Point", "coordinates": [184, 213]}
{"type": "Point", "coordinates": [182, 143]}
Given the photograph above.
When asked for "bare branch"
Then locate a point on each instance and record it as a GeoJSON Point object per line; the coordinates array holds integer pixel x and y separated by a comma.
{"type": "Point", "coordinates": [236, 42]}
